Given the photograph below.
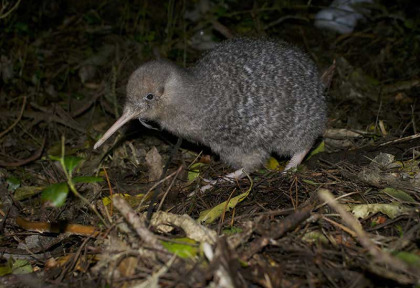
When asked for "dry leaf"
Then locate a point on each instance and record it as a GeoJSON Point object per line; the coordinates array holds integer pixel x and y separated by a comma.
{"type": "Point", "coordinates": [155, 163]}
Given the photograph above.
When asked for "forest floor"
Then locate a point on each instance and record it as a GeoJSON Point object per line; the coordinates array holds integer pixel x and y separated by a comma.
{"type": "Point", "coordinates": [73, 216]}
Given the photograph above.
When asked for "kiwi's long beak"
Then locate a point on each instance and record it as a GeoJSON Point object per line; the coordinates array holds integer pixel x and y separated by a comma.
{"type": "Point", "coordinates": [127, 116]}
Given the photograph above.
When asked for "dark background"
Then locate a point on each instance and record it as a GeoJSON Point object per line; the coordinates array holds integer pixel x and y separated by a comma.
{"type": "Point", "coordinates": [64, 52]}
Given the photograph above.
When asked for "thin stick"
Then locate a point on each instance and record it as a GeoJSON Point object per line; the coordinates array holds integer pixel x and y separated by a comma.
{"type": "Point", "coordinates": [139, 226]}
{"type": "Point", "coordinates": [415, 136]}
{"type": "Point", "coordinates": [342, 227]}
{"type": "Point", "coordinates": [10, 11]}
{"type": "Point", "coordinates": [153, 187]}
{"type": "Point", "coordinates": [165, 169]}
{"type": "Point", "coordinates": [169, 188]}
{"type": "Point", "coordinates": [17, 120]}
{"type": "Point", "coordinates": [379, 255]}
{"type": "Point", "coordinates": [110, 189]}
{"type": "Point", "coordinates": [27, 160]}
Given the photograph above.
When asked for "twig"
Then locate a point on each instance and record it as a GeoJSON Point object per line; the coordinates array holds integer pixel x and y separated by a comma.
{"type": "Point", "coordinates": [70, 265]}
{"type": "Point", "coordinates": [169, 188]}
{"type": "Point", "coordinates": [413, 119]}
{"type": "Point", "coordinates": [17, 120]}
{"type": "Point", "coordinates": [225, 209]}
{"type": "Point", "coordinates": [380, 256]}
{"type": "Point", "coordinates": [25, 161]}
{"type": "Point", "coordinates": [402, 85]}
{"type": "Point", "coordinates": [288, 223]}
{"type": "Point", "coordinates": [165, 169]}
{"type": "Point", "coordinates": [2, 16]}
{"type": "Point", "coordinates": [327, 76]}
{"type": "Point", "coordinates": [379, 112]}
{"type": "Point", "coordinates": [342, 227]}
{"type": "Point", "coordinates": [411, 137]}
{"type": "Point", "coordinates": [292, 221]}
{"type": "Point", "coordinates": [191, 228]}
{"type": "Point", "coordinates": [153, 279]}
{"type": "Point", "coordinates": [45, 117]}
{"type": "Point", "coordinates": [153, 187]}
{"type": "Point", "coordinates": [284, 18]}
{"type": "Point", "coordinates": [222, 29]}
{"type": "Point", "coordinates": [86, 105]}
{"type": "Point", "coordinates": [110, 188]}
{"type": "Point", "coordinates": [139, 226]}
{"type": "Point", "coordinates": [271, 213]}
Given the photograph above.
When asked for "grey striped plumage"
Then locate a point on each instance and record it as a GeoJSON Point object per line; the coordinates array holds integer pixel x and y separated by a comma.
{"type": "Point", "coordinates": [244, 99]}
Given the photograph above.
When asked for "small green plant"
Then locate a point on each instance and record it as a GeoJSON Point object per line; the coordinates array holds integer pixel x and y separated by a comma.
{"type": "Point", "coordinates": [56, 194]}
{"type": "Point", "coordinates": [16, 267]}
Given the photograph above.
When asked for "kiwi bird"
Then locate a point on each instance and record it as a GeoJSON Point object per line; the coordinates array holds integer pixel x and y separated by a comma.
{"type": "Point", "coordinates": [244, 99]}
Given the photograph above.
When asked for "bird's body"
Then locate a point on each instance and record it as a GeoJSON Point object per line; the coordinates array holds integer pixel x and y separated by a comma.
{"type": "Point", "coordinates": [245, 99]}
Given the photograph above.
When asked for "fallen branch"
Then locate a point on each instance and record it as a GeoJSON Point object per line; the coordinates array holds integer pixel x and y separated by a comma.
{"type": "Point", "coordinates": [191, 228]}
{"type": "Point", "coordinates": [140, 227]}
{"type": "Point", "coordinates": [288, 223]}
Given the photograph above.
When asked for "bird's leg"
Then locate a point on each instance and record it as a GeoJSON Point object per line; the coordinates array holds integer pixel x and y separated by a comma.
{"type": "Point", "coordinates": [238, 174]}
{"type": "Point", "coordinates": [296, 160]}
{"type": "Point", "coordinates": [237, 157]}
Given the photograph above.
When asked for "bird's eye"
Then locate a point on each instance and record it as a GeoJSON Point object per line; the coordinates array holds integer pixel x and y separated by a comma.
{"type": "Point", "coordinates": [150, 96]}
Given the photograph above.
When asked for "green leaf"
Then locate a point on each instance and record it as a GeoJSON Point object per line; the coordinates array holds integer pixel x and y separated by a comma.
{"type": "Point", "coordinates": [26, 192]}
{"type": "Point", "coordinates": [391, 210]}
{"type": "Point", "coordinates": [21, 28]}
{"type": "Point", "coordinates": [400, 230]}
{"type": "Point", "coordinates": [398, 194]}
{"type": "Point", "coordinates": [21, 266]}
{"type": "Point", "coordinates": [320, 148]}
{"type": "Point", "coordinates": [208, 216]}
{"type": "Point", "coordinates": [12, 266]}
{"type": "Point", "coordinates": [132, 200]}
{"type": "Point", "coordinates": [55, 195]}
{"type": "Point", "coordinates": [70, 162]}
{"type": "Point", "coordinates": [183, 247]}
{"type": "Point", "coordinates": [12, 183]}
{"type": "Point", "coordinates": [409, 258]}
{"type": "Point", "coordinates": [6, 268]}
{"type": "Point", "coordinates": [55, 158]}
{"type": "Point", "coordinates": [310, 182]}
{"type": "Point", "coordinates": [232, 230]}
{"type": "Point", "coordinates": [87, 179]}
{"type": "Point", "coordinates": [194, 171]}
{"type": "Point", "coordinates": [409, 23]}
{"type": "Point", "coordinates": [315, 236]}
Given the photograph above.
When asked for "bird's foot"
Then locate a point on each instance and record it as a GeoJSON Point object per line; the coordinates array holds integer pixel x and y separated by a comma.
{"type": "Point", "coordinates": [295, 161]}
{"type": "Point", "coordinates": [231, 177]}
